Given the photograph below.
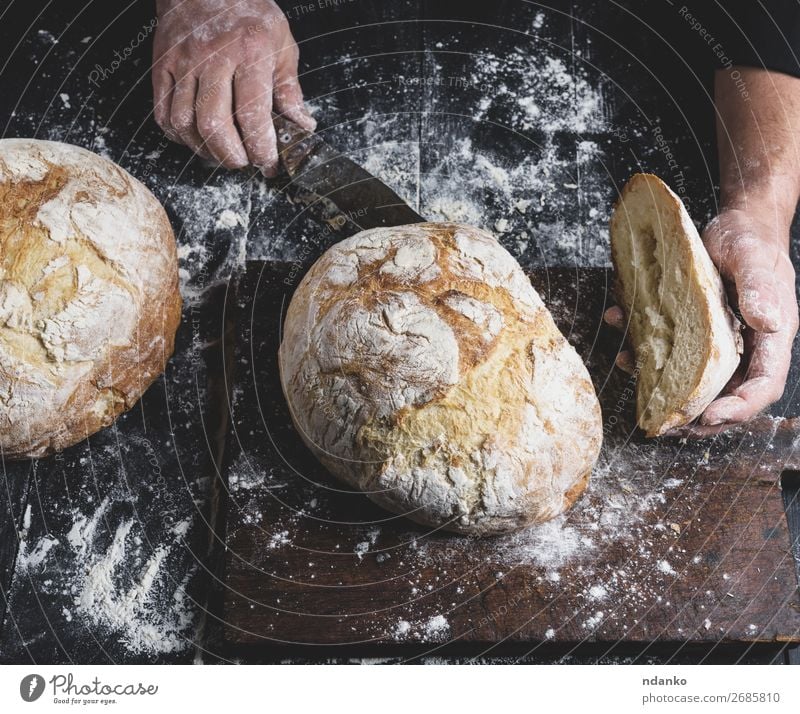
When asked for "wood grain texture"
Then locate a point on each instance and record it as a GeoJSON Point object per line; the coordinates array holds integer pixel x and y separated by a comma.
{"type": "Point", "coordinates": [308, 562]}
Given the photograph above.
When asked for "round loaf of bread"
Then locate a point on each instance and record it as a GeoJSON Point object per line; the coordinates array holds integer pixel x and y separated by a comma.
{"type": "Point", "coordinates": [422, 368]}
{"type": "Point", "coordinates": [89, 296]}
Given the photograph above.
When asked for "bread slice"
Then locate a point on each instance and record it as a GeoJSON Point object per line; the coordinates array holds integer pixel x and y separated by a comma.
{"type": "Point", "coordinates": [685, 337]}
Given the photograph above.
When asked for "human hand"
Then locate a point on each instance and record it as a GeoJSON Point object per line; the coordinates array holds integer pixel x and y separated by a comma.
{"type": "Point", "coordinates": [752, 259]}
{"type": "Point", "coordinates": [219, 68]}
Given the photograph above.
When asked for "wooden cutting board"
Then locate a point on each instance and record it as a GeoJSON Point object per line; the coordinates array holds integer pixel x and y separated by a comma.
{"type": "Point", "coordinates": [673, 541]}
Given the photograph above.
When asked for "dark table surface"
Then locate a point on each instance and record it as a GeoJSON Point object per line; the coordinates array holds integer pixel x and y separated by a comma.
{"type": "Point", "coordinates": [522, 117]}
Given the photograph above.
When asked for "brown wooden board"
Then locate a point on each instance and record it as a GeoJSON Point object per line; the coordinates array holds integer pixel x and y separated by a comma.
{"type": "Point", "coordinates": [673, 540]}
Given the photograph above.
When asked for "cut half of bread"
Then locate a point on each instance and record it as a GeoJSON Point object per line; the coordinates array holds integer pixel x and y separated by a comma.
{"type": "Point", "coordinates": [686, 339]}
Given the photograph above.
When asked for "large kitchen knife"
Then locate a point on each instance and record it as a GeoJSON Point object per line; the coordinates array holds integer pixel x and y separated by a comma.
{"type": "Point", "coordinates": [336, 188]}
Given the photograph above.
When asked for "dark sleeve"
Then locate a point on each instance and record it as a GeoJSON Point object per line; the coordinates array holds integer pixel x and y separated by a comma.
{"type": "Point", "coordinates": [754, 33]}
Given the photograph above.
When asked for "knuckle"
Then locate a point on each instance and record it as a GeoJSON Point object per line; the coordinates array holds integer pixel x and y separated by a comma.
{"type": "Point", "coordinates": [207, 126]}
{"type": "Point", "coordinates": [279, 21]}
{"type": "Point", "coordinates": [256, 48]}
{"type": "Point", "coordinates": [243, 72]}
{"type": "Point", "coordinates": [794, 321]}
{"type": "Point", "coordinates": [788, 271]}
{"type": "Point", "coordinates": [182, 121]}
{"type": "Point", "coordinates": [775, 392]}
{"type": "Point", "coordinates": [288, 92]}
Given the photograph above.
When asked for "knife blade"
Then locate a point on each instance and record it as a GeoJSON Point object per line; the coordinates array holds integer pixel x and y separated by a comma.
{"type": "Point", "coordinates": [337, 188]}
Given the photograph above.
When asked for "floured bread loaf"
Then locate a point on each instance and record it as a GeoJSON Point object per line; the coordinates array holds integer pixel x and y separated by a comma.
{"type": "Point", "coordinates": [686, 339]}
{"type": "Point", "coordinates": [421, 367]}
{"type": "Point", "coordinates": [89, 299]}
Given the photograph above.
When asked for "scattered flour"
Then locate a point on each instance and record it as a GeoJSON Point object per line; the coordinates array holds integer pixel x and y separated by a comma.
{"type": "Point", "coordinates": [362, 548]}
{"type": "Point", "coordinates": [204, 212]}
{"type": "Point", "coordinates": [279, 539]}
{"type": "Point", "coordinates": [548, 546]}
{"type": "Point", "coordinates": [538, 91]}
{"type": "Point", "coordinates": [230, 219]}
{"type": "Point", "coordinates": [433, 629]}
{"type": "Point", "coordinates": [546, 192]}
{"type": "Point", "coordinates": [665, 567]}
{"type": "Point", "coordinates": [129, 597]}
{"type": "Point", "coordinates": [28, 560]}
{"type": "Point", "coordinates": [437, 628]}
{"type": "Point", "coordinates": [593, 621]}
{"type": "Point", "coordinates": [598, 592]}
{"type": "Point", "coordinates": [402, 629]}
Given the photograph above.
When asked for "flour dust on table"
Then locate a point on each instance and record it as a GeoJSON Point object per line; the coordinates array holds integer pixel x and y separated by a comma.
{"type": "Point", "coordinates": [613, 512]}
{"type": "Point", "coordinates": [544, 188]}
{"type": "Point", "coordinates": [119, 584]}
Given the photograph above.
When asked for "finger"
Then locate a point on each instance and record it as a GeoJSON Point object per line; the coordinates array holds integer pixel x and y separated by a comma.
{"type": "Point", "coordinates": [625, 361]}
{"type": "Point", "coordinates": [615, 317]}
{"type": "Point", "coordinates": [253, 87]}
{"type": "Point", "coordinates": [182, 115]}
{"type": "Point", "coordinates": [214, 108]}
{"type": "Point", "coordinates": [163, 87]}
{"type": "Point", "coordinates": [764, 381]}
{"type": "Point", "coordinates": [289, 98]}
{"type": "Point", "coordinates": [697, 431]}
{"type": "Point", "coordinates": [749, 399]}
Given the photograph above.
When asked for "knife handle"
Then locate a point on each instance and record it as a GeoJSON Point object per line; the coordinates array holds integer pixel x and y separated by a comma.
{"type": "Point", "coordinates": [294, 143]}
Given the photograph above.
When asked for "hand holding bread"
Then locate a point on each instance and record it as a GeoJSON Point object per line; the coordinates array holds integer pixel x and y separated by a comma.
{"type": "Point", "coordinates": [685, 336]}
{"type": "Point", "coordinates": [761, 280]}
{"type": "Point", "coordinates": [759, 277]}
